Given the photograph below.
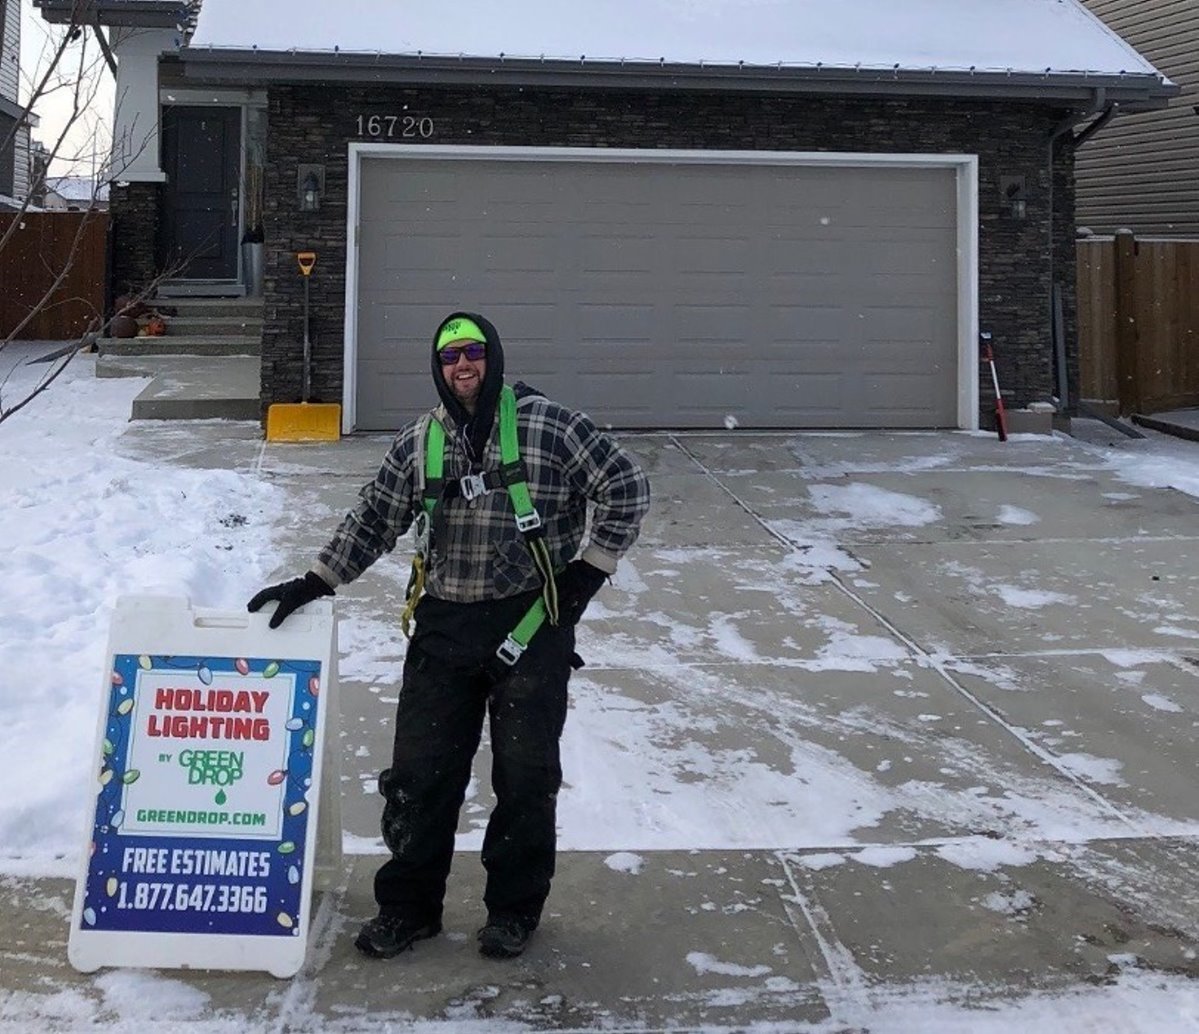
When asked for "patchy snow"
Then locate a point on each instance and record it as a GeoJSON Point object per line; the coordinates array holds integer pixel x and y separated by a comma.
{"type": "Point", "coordinates": [1175, 630]}
{"type": "Point", "coordinates": [884, 857]}
{"type": "Point", "coordinates": [1093, 769]}
{"type": "Point", "coordinates": [1016, 515]}
{"type": "Point", "coordinates": [1030, 599]}
{"type": "Point", "coordinates": [625, 861]}
{"type": "Point", "coordinates": [147, 997]}
{"type": "Point", "coordinates": [818, 860]}
{"type": "Point", "coordinates": [1012, 903]}
{"type": "Point", "coordinates": [1161, 703]}
{"type": "Point", "coordinates": [848, 650]}
{"type": "Point", "coordinates": [702, 963]}
{"type": "Point", "coordinates": [1156, 462]}
{"type": "Point", "coordinates": [842, 509]}
{"type": "Point", "coordinates": [984, 854]}
{"type": "Point", "coordinates": [1138, 1002]}
{"type": "Point", "coordinates": [1013, 35]}
{"type": "Point", "coordinates": [868, 506]}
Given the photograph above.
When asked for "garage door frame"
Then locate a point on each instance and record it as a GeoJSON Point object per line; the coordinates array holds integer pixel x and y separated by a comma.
{"type": "Point", "coordinates": [964, 165]}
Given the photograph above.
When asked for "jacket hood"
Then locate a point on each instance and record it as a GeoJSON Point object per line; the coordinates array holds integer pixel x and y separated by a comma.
{"type": "Point", "coordinates": [478, 427]}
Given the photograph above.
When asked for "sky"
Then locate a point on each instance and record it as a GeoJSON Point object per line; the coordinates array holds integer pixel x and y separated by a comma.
{"type": "Point", "coordinates": [54, 109]}
{"type": "Point", "coordinates": [90, 514]}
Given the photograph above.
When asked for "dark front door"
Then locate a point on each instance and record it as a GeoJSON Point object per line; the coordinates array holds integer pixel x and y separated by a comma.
{"type": "Point", "coordinates": [201, 150]}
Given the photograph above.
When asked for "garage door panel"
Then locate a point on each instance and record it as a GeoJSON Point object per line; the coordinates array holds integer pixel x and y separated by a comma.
{"type": "Point", "coordinates": [602, 322]}
{"type": "Point", "coordinates": [892, 258]}
{"type": "Point", "coordinates": [423, 252]}
{"type": "Point", "coordinates": [901, 323]}
{"type": "Point", "coordinates": [616, 253]}
{"type": "Point", "coordinates": [903, 393]}
{"type": "Point", "coordinates": [726, 256]}
{"type": "Point", "coordinates": [805, 256]}
{"type": "Point", "coordinates": [693, 323]}
{"type": "Point", "coordinates": [669, 295]}
{"type": "Point", "coordinates": [880, 218]}
{"type": "Point", "coordinates": [809, 326]}
{"type": "Point", "coordinates": [516, 253]}
{"type": "Point", "coordinates": [532, 322]}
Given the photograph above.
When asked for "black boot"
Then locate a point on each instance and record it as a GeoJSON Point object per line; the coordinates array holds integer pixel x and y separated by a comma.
{"type": "Point", "coordinates": [505, 937]}
{"type": "Point", "coordinates": [387, 935]}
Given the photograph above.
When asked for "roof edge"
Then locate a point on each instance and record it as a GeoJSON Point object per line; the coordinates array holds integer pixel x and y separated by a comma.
{"type": "Point", "coordinates": [11, 109]}
{"type": "Point", "coordinates": [259, 66]}
{"type": "Point", "coordinates": [144, 14]}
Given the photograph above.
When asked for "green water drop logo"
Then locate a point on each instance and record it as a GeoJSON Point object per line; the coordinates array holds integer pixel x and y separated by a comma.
{"type": "Point", "coordinates": [221, 797]}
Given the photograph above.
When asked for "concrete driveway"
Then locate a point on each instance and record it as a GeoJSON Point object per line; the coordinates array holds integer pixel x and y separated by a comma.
{"type": "Point", "coordinates": [877, 732]}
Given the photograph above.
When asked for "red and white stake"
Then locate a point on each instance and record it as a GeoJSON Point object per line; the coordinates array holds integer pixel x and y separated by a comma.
{"type": "Point", "coordinates": [1000, 414]}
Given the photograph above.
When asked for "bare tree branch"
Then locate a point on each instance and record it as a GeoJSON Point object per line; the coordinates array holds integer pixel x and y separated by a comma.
{"type": "Point", "coordinates": [80, 78]}
{"type": "Point", "coordinates": [62, 357]}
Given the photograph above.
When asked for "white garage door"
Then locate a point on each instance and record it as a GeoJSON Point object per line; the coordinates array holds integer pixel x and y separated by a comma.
{"type": "Point", "coordinates": [661, 294]}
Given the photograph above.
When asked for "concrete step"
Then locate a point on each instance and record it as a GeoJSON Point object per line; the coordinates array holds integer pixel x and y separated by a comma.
{"type": "Point", "coordinates": [213, 326]}
{"type": "Point", "coordinates": [211, 307]}
{"type": "Point", "coordinates": [188, 388]}
{"type": "Point", "coordinates": [185, 368]}
{"type": "Point", "coordinates": [201, 289]}
{"type": "Point", "coordinates": [194, 344]}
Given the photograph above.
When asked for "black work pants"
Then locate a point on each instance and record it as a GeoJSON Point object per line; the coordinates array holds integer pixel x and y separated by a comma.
{"type": "Point", "coordinates": [439, 722]}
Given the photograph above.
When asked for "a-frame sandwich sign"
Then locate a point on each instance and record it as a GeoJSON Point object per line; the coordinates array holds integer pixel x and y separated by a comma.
{"type": "Point", "coordinates": [211, 789]}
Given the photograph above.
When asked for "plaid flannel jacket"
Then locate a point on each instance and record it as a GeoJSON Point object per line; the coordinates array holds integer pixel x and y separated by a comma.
{"type": "Point", "coordinates": [481, 554]}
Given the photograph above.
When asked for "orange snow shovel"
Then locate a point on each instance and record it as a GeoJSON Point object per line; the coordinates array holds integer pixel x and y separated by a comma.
{"type": "Point", "coordinates": [304, 421]}
{"type": "Point", "coordinates": [1000, 414]}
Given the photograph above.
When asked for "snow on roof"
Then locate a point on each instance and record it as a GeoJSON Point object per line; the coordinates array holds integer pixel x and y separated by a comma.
{"type": "Point", "coordinates": [77, 188]}
{"type": "Point", "coordinates": [984, 35]}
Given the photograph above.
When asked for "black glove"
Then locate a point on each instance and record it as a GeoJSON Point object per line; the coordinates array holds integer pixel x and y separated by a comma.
{"type": "Point", "coordinates": [291, 596]}
{"type": "Point", "coordinates": [577, 583]}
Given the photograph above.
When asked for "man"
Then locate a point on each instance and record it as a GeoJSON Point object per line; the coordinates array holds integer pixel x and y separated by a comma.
{"type": "Point", "coordinates": [494, 632]}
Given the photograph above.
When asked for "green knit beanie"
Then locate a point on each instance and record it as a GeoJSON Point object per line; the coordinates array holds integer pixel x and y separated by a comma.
{"type": "Point", "coordinates": [459, 329]}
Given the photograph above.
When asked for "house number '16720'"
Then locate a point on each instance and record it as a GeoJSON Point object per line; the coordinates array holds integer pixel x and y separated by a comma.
{"type": "Point", "coordinates": [395, 126]}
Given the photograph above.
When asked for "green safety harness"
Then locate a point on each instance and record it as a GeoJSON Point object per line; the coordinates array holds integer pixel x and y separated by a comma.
{"type": "Point", "coordinates": [511, 476]}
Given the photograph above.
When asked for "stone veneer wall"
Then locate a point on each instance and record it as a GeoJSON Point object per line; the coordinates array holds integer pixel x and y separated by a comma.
{"type": "Point", "coordinates": [315, 126]}
{"type": "Point", "coordinates": [134, 215]}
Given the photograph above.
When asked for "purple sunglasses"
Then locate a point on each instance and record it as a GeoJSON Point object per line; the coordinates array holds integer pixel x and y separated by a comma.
{"type": "Point", "coordinates": [473, 350]}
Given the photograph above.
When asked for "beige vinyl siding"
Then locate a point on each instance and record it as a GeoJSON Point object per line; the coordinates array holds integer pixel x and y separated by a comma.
{"type": "Point", "coordinates": [1142, 170]}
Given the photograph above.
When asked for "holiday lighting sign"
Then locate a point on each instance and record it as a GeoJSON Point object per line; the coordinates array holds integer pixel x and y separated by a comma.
{"type": "Point", "coordinates": [201, 813]}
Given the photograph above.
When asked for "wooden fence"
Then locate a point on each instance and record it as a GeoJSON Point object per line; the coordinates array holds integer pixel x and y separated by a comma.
{"type": "Point", "coordinates": [46, 246]}
{"type": "Point", "coordinates": [1138, 322]}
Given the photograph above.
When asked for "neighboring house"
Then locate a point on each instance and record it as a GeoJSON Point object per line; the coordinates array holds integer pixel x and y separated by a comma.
{"type": "Point", "coordinates": [1142, 173]}
{"type": "Point", "coordinates": [796, 214]}
{"type": "Point", "coordinates": [74, 194]}
{"type": "Point", "coordinates": [15, 124]}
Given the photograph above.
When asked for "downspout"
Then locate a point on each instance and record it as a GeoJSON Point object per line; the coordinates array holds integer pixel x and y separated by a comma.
{"type": "Point", "coordinates": [1056, 338]}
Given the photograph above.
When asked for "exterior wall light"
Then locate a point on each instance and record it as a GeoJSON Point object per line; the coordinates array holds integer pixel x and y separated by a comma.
{"type": "Point", "coordinates": [1011, 191]}
{"type": "Point", "coordinates": [310, 185]}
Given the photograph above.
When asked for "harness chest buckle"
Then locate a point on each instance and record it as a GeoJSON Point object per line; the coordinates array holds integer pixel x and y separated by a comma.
{"type": "Point", "coordinates": [473, 486]}
{"type": "Point", "coordinates": [529, 522]}
{"type": "Point", "coordinates": [509, 651]}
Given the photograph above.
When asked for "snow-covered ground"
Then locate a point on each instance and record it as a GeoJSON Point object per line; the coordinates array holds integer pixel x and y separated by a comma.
{"type": "Point", "coordinates": [86, 521]}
